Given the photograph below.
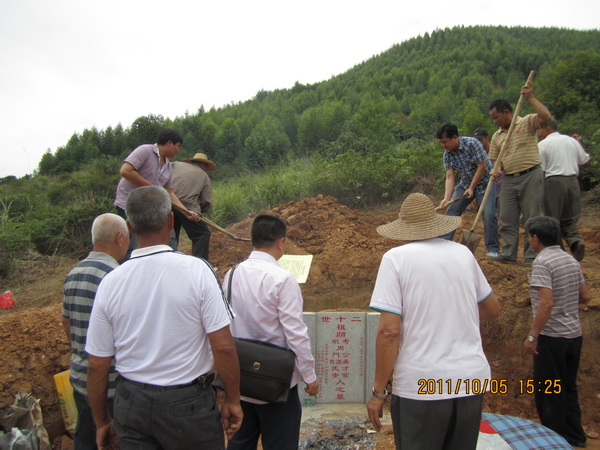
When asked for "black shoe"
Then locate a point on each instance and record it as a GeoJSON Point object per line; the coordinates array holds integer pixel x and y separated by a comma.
{"type": "Point", "coordinates": [528, 263]}
{"type": "Point", "coordinates": [578, 250]}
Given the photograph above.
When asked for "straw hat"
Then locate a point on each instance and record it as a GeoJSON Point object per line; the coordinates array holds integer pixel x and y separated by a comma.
{"type": "Point", "coordinates": [201, 157]}
{"type": "Point", "coordinates": [418, 221]}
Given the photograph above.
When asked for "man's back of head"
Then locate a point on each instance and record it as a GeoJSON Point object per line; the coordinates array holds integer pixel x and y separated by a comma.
{"type": "Point", "coordinates": [110, 235]}
{"type": "Point", "coordinates": [106, 227]}
{"type": "Point", "coordinates": [267, 230]}
{"type": "Point", "coordinates": [148, 209]}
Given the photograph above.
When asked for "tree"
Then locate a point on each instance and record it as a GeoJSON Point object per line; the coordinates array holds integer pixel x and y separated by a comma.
{"type": "Point", "coordinates": [266, 145]}
{"type": "Point", "coordinates": [228, 141]}
{"type": "Point", "coordinates": [571, 90]}
{"type": "Point", "coordinates": [47, 164]}
{"type": "Point", "coordinates": [145, 129]}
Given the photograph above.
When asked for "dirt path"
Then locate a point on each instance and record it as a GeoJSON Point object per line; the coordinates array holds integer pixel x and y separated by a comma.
{"type": "Point", "coordinates": [347, 252]}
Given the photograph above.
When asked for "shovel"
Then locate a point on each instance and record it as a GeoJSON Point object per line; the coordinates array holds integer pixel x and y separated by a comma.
{"type": "Point", "coordinates": [469, 237]}
{"type": "Point", "coordinates": [437, 208]}
{"type": "Point", "coordinates": [222, 230]}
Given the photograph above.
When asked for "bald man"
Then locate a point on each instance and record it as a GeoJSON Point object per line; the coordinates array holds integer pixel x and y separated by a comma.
{"type": "Point", "coordinates": [110, 239]}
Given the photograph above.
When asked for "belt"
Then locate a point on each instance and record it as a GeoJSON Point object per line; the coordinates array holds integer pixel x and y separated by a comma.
{"type": "Point", "coordinates": [203, 381]}
{"type": "Point", "coordinates": [523, 172]}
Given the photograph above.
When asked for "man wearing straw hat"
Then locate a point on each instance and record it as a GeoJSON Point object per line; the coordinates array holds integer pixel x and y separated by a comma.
{"type": "Point", "coordinates": [432, 295]}
{"type": "Point", "coordinates": [193, 187]}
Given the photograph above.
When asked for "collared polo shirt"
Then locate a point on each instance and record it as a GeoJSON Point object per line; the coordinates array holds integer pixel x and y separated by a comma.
{"type": "Point", "coordinates": [555, 269]}
{"type": "Point", "coordinates": [522, 153]}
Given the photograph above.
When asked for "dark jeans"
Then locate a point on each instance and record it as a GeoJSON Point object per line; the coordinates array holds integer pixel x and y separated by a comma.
{"type": "Point", "coordinates": [490, 218]}
{"type": "Point", "coordinates": [558, 359]}
{"type": "Point", "coordinates": [154, 418]}
{"type": "Point", "coordinates": [198, 233]}
{"type": "Point", "coordinates": [85, 433]}
{"type": "Point", "coordinates": [436, 424]}
{"type": "Point", "coordinates": [278, 423]}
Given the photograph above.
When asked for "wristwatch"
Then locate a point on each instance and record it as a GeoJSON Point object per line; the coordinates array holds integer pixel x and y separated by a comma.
{"type": "Point", "coordinates": [380, 396]}
{"type": "Point", "coordinates": [531, 338]}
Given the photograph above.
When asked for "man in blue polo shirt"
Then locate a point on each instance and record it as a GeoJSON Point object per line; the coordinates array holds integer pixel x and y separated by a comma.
{"type": "Point", "coordinates": [467, 156]}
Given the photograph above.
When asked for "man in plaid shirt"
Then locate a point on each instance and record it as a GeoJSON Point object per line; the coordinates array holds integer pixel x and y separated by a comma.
{"type": "Point", "coordinates": [467, 156]}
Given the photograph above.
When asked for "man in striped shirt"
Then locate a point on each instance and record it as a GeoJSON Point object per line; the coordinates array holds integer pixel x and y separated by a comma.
{"type": "Point", "coordinates": [557, 288]}
{"type": "Point", "coordinates": [110, 238]}
{"type": "Point", "coordinates": [523, 185]}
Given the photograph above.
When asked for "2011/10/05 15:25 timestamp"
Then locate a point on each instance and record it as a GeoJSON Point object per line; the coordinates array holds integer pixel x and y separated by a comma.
{"type": "Point", "coordinates": [493, 386]}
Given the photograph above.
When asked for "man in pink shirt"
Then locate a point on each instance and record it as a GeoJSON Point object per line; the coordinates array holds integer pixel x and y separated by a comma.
{"type": "Point", "coordinates": [149, 165]}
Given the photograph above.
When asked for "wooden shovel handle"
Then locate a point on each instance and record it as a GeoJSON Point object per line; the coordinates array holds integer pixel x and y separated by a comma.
{"type": "Point", "coordinates": [502, 148]}
{"type": "Point", "coordinates": [222, 230]}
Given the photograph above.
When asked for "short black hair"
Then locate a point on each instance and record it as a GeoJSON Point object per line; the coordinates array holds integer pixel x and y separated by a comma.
{"type": "Point", "coordinates": [448, 130]}
{"type": "Point", "coordinates": [169, 134]}
{"type": "Point", "coordinates": [266, 230]}
{"type": "Point", "coordinates": [501, 105]}
{"type": "Point", "coordinates": [546, 228]}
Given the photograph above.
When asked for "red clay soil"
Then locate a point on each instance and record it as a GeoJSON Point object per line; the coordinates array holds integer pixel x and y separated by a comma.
{"type": "Point", "coordinates": [347, 251]}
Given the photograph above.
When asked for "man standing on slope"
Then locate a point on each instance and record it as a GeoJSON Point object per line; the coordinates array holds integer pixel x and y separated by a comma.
{"type": "Point", "coordinates": [555, 337]}
{"type": "Point", "coordinates": [467, 156]}
{"type": "Point", "coordinates": [192, 186]}
{"type": "Point", "coordinates": [522, 187]}
{"type": "Point", "coordinates": [149, 165]}
{"type": "Point", "coordinates": [561, 156]}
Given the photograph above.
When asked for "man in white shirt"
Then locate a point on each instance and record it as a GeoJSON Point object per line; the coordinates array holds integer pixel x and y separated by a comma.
{"type": "Point", "coordinates": [561, 156]}
{"type": "Point", "coordinates": [268, 304]}
{"type": "Point", "coordinates": [432, 295]}
{"type": "Point", "coordinates": [163, 317]}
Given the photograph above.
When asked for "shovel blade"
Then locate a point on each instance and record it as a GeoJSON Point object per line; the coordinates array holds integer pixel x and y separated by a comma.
{"type": "Point", "coordinates": [470, 239]}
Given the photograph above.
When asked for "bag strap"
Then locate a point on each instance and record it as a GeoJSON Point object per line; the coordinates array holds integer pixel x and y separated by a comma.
{"type": "Point", "coordinates": [229, 285]}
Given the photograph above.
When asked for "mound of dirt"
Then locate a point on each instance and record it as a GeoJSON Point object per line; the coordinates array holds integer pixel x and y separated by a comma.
{"type": "Point", "coordinates": [347, 251]}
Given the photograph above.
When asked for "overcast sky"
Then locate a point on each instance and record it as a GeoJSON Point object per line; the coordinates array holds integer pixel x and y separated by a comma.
{"type": "Point", "coordinates": [68, 65]}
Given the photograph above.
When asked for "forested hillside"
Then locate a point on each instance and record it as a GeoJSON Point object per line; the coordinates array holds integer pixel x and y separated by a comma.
{"type": "Point", "coordinates": [364, 136]}
{"type": "Point", "coordinates": [405, 92]}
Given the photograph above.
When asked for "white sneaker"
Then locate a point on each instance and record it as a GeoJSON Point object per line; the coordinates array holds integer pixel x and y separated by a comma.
{"type": "Point", "coordinates": [492, 255]}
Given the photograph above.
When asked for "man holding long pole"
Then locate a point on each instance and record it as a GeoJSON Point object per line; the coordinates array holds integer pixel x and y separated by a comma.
{"type": "Point", "coordinates": [523, 183]}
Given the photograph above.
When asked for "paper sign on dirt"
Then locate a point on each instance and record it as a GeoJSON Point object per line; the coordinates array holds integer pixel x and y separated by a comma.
{"type": "Point", "coordinates": [298, 265]}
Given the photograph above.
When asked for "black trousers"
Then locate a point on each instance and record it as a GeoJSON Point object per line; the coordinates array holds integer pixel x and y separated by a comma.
{"type": "Point", "coordinates": [451, 424]}
{"type": "Point", "coordinates": [558, 359]}
{"type": "Point", "coordinates": [277, 423]}
{"type": "Point", "coordinates": [85, 433]}
{"type": "Point", "coordinates": [198, 233]}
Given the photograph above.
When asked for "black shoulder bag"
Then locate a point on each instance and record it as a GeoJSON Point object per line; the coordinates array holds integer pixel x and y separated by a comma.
{"type": "Point", "coordinates": [265, 369]}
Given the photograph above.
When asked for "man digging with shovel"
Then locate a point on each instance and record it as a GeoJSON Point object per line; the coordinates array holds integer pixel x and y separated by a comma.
{"type": "Point", "coordinates": [467, 156]}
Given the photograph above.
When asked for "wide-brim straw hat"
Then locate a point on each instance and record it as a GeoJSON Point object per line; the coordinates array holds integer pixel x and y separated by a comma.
{"type": "Point", "coordinates": [418, 221]}
{"type": "Point", "coordinates": [201, 157]}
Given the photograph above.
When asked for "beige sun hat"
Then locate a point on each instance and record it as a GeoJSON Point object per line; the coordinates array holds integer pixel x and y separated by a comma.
{"type": "Point", "coordinates": [201, 157]}
{"type": "Point", "coordinates": [418, 221]}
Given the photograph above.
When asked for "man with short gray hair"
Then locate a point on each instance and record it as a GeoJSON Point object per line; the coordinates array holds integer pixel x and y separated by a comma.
{"type": "Point", "coordinates": [561, 156]}
{"type": "Point", "coordinates": [163, 317]}
{"type": "Point", "coordinates": [110, 239]}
